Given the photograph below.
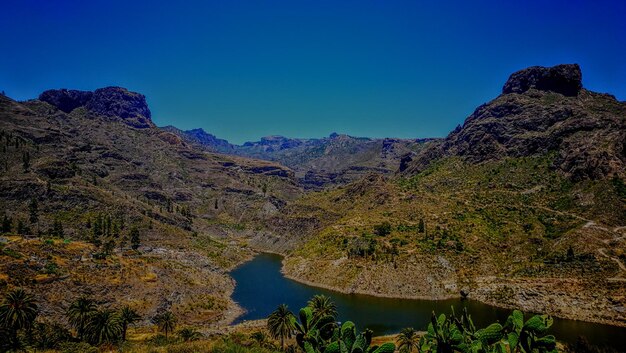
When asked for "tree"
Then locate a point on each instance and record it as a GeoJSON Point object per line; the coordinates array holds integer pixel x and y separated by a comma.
{"type": "Point", "coordinates": [25, 159]}
{"type": "Point", "coordinates": [134, 238]}
{"type": "Point", "coordinates": [22, 229]}
{"type": "Point", "coordinates": [33, 211]}
{"type": "Point", "coordinates": [17, 311]}
{"type": "Point", "coordinates": [103, 327]}
{"type": "Point", "coordinates": [96, 231]}
{"type": "Point", "coordinates": [570, 254]}
{"type": "Point", "coordinates": [189, 334]}
{"type": "Point", "coordinates": [280, 324]}
{"type": "Point", "coordinates": [57, 229]}
{"type": "Point", "coordinates": [408, 340]}
{"type": "Point", "coordinates": [322, 306]}
{"type": "Point", "coordinates": [7, 224]}
{"type": "Point", "coordinates": [127, 316]}
{"type": "Point", "coordinates": [47, 336]}
{"type": "Point", "coordinates": [421, 227]}
{"type": "Point", "coordinates": [166, 322]}
{"type": "Point", "coordinates": [79, 313]}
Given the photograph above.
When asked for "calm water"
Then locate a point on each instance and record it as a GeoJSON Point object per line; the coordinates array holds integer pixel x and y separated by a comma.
{"type": "Point", "coordinates": [261, 288]}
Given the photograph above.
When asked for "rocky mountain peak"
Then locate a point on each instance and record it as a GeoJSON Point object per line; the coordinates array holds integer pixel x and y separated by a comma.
{"type": "Point", "coordinates": [66, 99]}
{"type": "Point", "coordinates": [565, 79]}
{"type": "Point", "coordinates": [585, 131]}
{"type": "Point", "coordinates": [119, 102]}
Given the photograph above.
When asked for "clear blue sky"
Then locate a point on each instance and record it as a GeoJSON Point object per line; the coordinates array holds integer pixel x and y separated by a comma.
{"type": "Point", "coordinates": [246, 69]}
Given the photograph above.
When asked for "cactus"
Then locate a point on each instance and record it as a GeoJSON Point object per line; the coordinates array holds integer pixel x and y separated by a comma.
{"type": "Point", "coordinates": [458, 334]}
{"type": "Point", "coordinates": [322, 335]}
{"type": "Point", "coordinates": [491, 334]}
{"type": "Point", "coordinates": [528, 337]}
{"type": "Point", "coordinates": [385, 348]}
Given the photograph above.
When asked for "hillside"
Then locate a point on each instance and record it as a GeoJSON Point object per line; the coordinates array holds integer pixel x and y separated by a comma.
{"type": "Point", "coordinates": [522, 206]}
{"type": "Point", "coordinates": [84, 169]}
{"type": "Point", "coordinates": [318, 163]}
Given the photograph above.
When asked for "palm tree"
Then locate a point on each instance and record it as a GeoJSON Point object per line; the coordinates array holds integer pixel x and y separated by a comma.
{"type": "Point", "coordinates": [280, 323]}
{"type": "Point", "coordinates": [322, 306]}
{"type": "Point", "coordinates": [17, 311]}
{"type": "Point", "coordinates": [166, 322]}
{"type": "Point", "coordinates": [408, 340]}
{"type": "Point", "coordinates": [103, 327]}
{"type": "Point", "coordinates": [79, 313]}
{"type": "Point", "coordinates": [127, 316]}
{"type": "Point", "coordinates": [189, 334]}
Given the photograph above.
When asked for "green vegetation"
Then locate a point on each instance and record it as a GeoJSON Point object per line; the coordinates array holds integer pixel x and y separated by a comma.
{"type": "Point", "coordinates": [280, 324]}
{"type": "Point", "coordinates": [166, 322]}
{"type": "Point", "coordinates": [408, 340]}
{"type": "Point", "coordinates": [447, 334]}
{"type": "Point", "coordinates": [317, 331]}
{"type": "Point", "coordinates": [93, 326]}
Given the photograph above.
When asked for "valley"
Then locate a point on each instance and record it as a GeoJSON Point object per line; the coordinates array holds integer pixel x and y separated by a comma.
{"type": "Point", "coordinates": [523, 206]}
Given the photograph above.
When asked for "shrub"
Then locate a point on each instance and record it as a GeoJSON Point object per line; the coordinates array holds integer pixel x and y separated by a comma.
{"type": "Point", "coordinates": [77, 347]}
{"type": "Point", "coordinates": [382, 229]}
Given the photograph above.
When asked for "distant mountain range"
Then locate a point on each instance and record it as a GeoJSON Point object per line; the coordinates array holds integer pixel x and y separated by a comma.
{"type": "Point", "coordinates": [317, 162]}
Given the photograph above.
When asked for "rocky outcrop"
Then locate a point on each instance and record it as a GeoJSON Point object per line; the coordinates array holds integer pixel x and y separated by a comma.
{"type": "Point", "coordinates": [66, 100]}
{"type": "Point", "coordinates": [118, 102]}
{"type": "Point", "coordinates": [565, 79]}
{"type": "Point", "coordinates": [542, 110]}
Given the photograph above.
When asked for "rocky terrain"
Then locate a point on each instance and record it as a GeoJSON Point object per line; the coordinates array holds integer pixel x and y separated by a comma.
{"type": "Point", "coordinates": [523, 205]}
{"type": "Point", "coordinates": [542, 110]}
{"type": "Point", "coordinates": [318, 163]}
{"type": "Point", "coordinates": [73, 162]}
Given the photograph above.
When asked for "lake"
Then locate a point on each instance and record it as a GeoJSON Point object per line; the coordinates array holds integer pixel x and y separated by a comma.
{"type": "Point", "coordinates": [261, 287]}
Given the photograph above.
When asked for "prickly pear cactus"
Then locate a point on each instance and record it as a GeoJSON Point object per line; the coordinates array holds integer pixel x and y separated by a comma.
{"type": "Point", "coordinates": [491, 334]}
{"type": "Point", "coordinates": [386, 348]}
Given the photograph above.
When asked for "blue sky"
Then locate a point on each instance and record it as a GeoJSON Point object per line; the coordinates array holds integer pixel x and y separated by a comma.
{"type": "Point", "coordinates": [246, 69]}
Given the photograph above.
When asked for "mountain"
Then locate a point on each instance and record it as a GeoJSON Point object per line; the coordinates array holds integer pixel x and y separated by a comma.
{"type": "Point", "coordinates": [541, 111]}
{"type": "Point", "coordinates": [203, 139]}
{"type": "Point", "coordinates": [523, 206]}
{"type": "Point", "coordinates": [318, 163]}
{"type": "Point", "coordinates": [88, 167]}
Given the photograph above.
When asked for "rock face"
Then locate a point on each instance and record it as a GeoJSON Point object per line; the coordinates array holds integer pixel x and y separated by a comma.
{"type": "Point", "coordinates": [64, 99]}
{"type": "Point", "coordinates": [565, 79]}
{"type": "Point", "coordinates": [117, 101]}
{"type": "Point", "coordinates": [130, 107]}
{"type": "Point", "coordinates": [541, 110]}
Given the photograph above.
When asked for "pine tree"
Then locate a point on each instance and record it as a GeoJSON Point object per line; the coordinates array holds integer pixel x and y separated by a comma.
{"type": "Point", "coordinates": [21, 228]}
{"type": "Point", "coordinates": [33, 211]}
{"type": "Point", "coordinates": [134, 238]}
{"type": "Point", "coordinates": [25, 160]}
{"type": "Point", "coordinates": [58, 229]}
{"type": "Point", "coordinates": [96, 231]}
{"type": "Point", "coordinates": [7, 224]}
{"type": "Point", "coordinates": [421, 226]}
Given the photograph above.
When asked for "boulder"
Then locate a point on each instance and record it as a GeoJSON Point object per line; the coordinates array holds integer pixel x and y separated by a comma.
{"type": "Point", "coordinates": [565, 79]}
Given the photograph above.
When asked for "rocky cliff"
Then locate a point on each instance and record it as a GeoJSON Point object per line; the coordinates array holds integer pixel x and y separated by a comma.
{"type": "Point", "coordinates": [542, 110]}
{"type": "Point", "coordinates": [113, 102]}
